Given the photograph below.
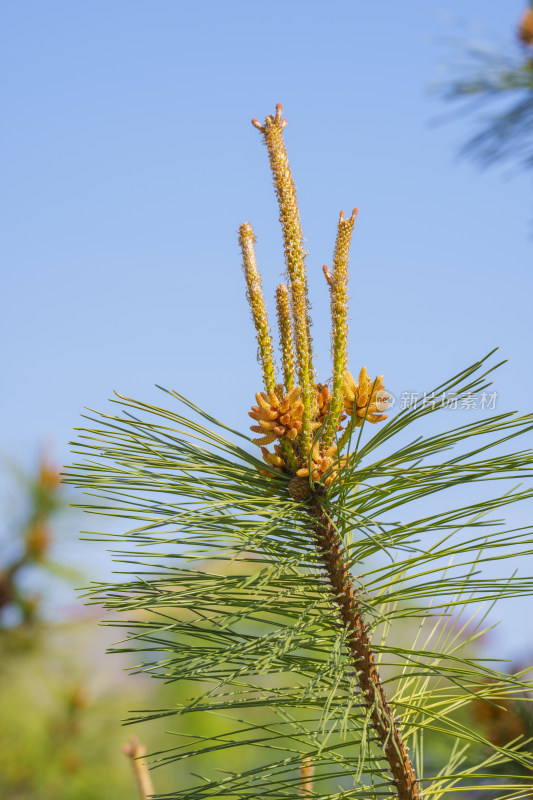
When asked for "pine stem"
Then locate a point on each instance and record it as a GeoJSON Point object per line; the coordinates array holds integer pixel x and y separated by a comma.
{"type": "Point", "coordinates": [344, 597]}
{"type": "Point", "coordinates": [344, 438]}
{"type": "Point", "coordinates": [290, 455]}
{"type": "Point", "coordinates": [338, 282]}
{"type": "Point", "coordinates": [257, 304]}
{"type": "Point", "coordinates": [307, 770]}
{"type": "Point", "coordinates": [289, 216]}
{"type": "Point", "coordinates": [136, 753]}
{"type": "Point", "coordinates": [285, 335]}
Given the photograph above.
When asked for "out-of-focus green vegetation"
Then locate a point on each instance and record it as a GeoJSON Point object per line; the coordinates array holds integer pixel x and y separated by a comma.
{"type": "Point", "coordinates": [63, 701]}
{"type": "Point", "coordinates": [60, 709]}
{"type": "Point", "coordinates": [60, 701]}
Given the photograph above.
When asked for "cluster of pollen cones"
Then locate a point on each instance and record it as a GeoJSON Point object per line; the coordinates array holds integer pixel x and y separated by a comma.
{"type": "Point", "coordinates": [279, 416]}
{"type": "Point", "coordinates": [303, 419]}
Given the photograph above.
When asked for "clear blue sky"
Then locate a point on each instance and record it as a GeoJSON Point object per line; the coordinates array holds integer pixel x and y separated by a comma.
{"type": "Point", "coordinates": [129, 161]}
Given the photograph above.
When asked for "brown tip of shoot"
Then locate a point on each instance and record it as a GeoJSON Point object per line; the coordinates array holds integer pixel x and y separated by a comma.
{"type": "Point", "coordinates": [277, 119]}
{"type": "Point", "coordinates": [272, 119]}
{"type": "Point", "coordinates": [246, 231]}
{"type": "Point", "coordinates": [350, 219]}
{"type": "Point", "coordinates": [327, 274]}
{"type": "Point", "coordinates": [134, 748]}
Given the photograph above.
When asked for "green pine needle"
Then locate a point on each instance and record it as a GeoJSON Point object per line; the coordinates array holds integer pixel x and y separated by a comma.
{"type": "Point", "coordinates": [220, 587]}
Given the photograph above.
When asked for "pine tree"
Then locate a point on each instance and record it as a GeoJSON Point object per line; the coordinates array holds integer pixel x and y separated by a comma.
{"type": "Point", "coordinates": [305, 599]}
{"type": "Point", "coordinates": [499, 84]}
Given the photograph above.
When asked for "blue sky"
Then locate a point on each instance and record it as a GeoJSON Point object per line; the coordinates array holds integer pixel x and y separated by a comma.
{"type": "Point", "coordinates": [129, 161]}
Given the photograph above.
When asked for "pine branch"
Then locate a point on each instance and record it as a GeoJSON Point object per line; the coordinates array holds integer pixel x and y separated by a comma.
{"type": "Point", "coordinates": [243, 568]}
{"type": "Point", "coordinates": [358, 644]}
{"type": "Point", "coordinates": [501, 82]}
{"type": "Point", "coordinates": [272, 130]}
{"type": "Point", "coordinates": [136, 753]}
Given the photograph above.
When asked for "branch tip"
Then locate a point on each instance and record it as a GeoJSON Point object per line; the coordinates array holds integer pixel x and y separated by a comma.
{"type": "Point", "coordinates": [350, 219]}
{"type": "Point", "coordinates": [272, 131]}
{"type": "Point", "coordinates": [246, 230]}
{"type": "Point", "coordinates": [256, 301]}
{"type": "Point", "coordinates": [136, 752]}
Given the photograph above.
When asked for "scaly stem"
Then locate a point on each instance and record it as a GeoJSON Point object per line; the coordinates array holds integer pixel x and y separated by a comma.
{"type": "Point", "coordinates": [257, 304]}
{"type": "Point", "coordinates": [285, 335]}
{"type": "Point", "coordinates": [290, 455]}
{"type": "Point", "coordinates": [136, 753]}
{"type": "Point", "coordinates": [344, 597]}
{"type": "Point", "coordinates": [344, 438]}
{"type": "Point", "coordinates": [307, 770]}
{"type": "Point", "coordinates": [289, 216]}
{"type": "Point", "coordinates": [338, 282]}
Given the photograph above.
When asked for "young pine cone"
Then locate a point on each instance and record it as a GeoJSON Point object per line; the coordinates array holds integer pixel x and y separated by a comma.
{"type": "Point", "coordinates": [299, 488]}
{"type": "Point", "coordinates": [277, 417]}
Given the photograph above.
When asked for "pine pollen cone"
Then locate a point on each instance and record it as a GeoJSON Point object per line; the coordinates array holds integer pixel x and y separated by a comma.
{"type": "Point", "coordinates": [321, 463]}
{"type": "Point", "coordinates": [323, 399]}
{"type": "Point", "coordinates": [38, 540]}
{"type": "Point", "coordinates": [275, 459]}
{"type": "Point", "coordinates": [277, 417]}
{"type": "Point", "coordinates": [49, 477]}
{"type": "Point", "coordinates": [367, 399]}
{"type": "Point", "coordinates": [525, 29]}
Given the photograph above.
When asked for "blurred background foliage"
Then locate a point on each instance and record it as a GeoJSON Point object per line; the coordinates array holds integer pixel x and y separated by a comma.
{"type": "Point", "coordinates": [62, 698]}
{"type": "Point", "coordinates": [493, 87]}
